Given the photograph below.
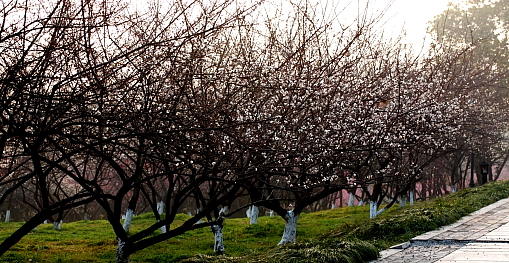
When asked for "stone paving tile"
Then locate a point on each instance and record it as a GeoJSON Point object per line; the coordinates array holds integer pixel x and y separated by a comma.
{"type": "Point", "coordinates": [481, 237]}
{"type": "Point", "coordinates": [422, 253]}
{"type": "Point", "coordinates": [474, 226]}
{"type": "Point", "coordinates": [500, 234]}
{"type": "Point", "coordinates": [479, 252]}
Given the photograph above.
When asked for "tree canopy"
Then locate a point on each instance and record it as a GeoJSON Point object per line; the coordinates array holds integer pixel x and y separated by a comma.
{"type": "Point", "coordinates": [202, 102]}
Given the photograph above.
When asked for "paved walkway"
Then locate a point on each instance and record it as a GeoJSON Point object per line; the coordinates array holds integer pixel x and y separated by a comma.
{"type": "Point", "coordinates": [481, 237]}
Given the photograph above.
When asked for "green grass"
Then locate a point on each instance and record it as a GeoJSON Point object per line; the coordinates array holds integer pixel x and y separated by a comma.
{"type": "Point", "coordinates": [338, 235]}
{"type": "Point", "coordinates": [400, 224]}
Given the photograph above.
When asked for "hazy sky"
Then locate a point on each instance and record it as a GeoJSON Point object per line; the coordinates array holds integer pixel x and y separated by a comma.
{"type": "Point", "coordinates": [413, 15]}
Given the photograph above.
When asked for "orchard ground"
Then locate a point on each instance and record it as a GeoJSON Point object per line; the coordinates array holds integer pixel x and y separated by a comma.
{"type": "Point", "coordinates": [94, 241]}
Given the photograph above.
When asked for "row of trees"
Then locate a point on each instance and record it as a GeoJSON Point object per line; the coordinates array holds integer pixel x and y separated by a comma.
{"type": "Point", "coordinates": [482, 24]}
{"type": "Point", "coordinates": [207, 102]}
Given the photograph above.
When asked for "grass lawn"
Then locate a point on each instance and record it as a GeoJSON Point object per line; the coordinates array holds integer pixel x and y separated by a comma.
{"type": "Point", "coordinates": [320, 235]}
{"type": "Point", "coordinates": [94, 241]}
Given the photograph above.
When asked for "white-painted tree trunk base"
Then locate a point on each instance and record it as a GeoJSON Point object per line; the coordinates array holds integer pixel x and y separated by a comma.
{"type": "Point", "coordinates": [372, 209]}
{"type": "Point", "coordinates": [223, 212]}
{"type": "Point", "coordinates": [411, 197]}
{"type": "Point", "coordinates": [453, 189]}
{"type": "Point", "coordinates": [7, 216]}
{"type": "Point", "coordinates": [271, 213]}
{"type": "Point", "coordinates": [248, 212]}
{"type": "Point", "coordinates": [253, 219]}
{"type": "Point", "coordinates": [160, 208]}
{"type": "Point", "coordinates": [351, 199]}
{"type": "Point", "coordinates": [290, 233]}
{"type": "Point", "coordinates": [58, 225]}
{"type": "Point", "coordinates": [121, 257]}
{"type": "Point", "coordinates": [361, 203]}
{"type": "Point", "coordinates": [332, 206]}
{"type": "Point", "coordinates": [402, 201]}
{"type": "Point", "coordinates": [218, 239]}
{"type": "Point", "coordinates": [128, 219]}
{"type": "Point", "coordinates": [201, 219]}
{"type": "Point", "coordinates": [163, 228]}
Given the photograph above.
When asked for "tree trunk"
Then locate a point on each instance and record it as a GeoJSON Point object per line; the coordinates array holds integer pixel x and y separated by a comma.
{"type": "Point", "coordinates": [248, 212]}
{"type": "Point", "coordinates": [85, 214]}
{"type": "Point", "coordinates": [8, 212]}
{"type": "Point", "coordinates": [361, 199]}
{"type": "Point", "coordinates": [197, 212]}
{"type": "Point", "coordinates": [253, 218]}
{"type": "Point", "coordinates": [290, 233]}
{"type": "Point", "coordinates": [351, 199]}
{"type": "Point", "coordinates": [218, 238]}
{"type": "Point", "coordinates": [122, 252]}
{"type": "Point", "coordinates": [57, 225]}
{"type": "Point", "coordinates": [7, 216]}
{"type": "Point", "coordinates": [128, 219]}
{"type": "Point", "coordinates": [498, 171]}
{"type": "Point", "coordinates": [372, 209]}
{"type": "Point", "coordinates": [411, 197]}
{"type": "Point", "coordinates": [160, 208]}
{"type": "Point", "coordinates": [402, 201]}
{"type": "Point", "coordinates": [218, 231]}
{"type": "Point", "coordinates": [163, 228]}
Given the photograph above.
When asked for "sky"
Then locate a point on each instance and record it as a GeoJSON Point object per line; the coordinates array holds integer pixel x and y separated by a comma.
{"type": "Point", "coordinates": [413, 15]}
